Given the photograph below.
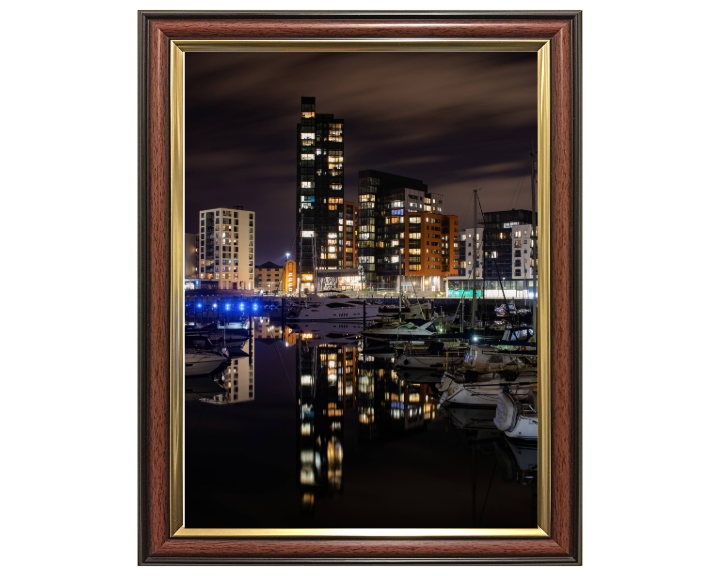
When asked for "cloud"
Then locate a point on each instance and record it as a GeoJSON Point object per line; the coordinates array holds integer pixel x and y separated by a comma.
{"type": "Point", "coordinates": [454, 120]}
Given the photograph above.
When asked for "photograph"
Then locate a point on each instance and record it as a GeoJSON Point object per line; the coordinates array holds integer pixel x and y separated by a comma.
{"type": "Point", "coordinates": [361, 276]}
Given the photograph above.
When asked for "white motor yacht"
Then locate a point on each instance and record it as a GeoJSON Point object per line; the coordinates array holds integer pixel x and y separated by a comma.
{"type": "Point", "coordinates": [327, 332]}
{"type": "Point", "coordinates": [319, 309]}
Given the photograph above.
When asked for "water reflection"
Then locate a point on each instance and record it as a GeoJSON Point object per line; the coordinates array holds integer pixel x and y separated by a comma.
{"type": "Point", "coordinates": [333, 439]}
{"type": "Point", "coordinates": [325, 389]}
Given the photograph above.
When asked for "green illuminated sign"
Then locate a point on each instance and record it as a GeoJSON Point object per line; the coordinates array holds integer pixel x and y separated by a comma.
{"type": "Point", "coordinates": [464, 293]}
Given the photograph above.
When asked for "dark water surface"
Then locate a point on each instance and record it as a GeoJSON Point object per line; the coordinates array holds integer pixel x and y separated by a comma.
{"type": "Point", "coordinates": [315, 434]}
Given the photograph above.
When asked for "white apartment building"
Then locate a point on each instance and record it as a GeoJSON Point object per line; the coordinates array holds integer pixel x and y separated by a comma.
{"type": "Point", "coordinates": [227, 247]}
{"type": "Point", "coordinates": [522, 252]}
{"type": "Point", "coordinates": [469, 252]}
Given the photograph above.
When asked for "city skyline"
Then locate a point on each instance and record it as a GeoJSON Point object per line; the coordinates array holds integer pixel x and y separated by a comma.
{"type": "Point", "coordinates": [457, 121]}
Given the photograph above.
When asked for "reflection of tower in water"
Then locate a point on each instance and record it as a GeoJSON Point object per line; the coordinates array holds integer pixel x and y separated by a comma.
{"type": "Point", "coordinates": [325, 389]}
{"type": "Point", "coordinates": [387, 405]}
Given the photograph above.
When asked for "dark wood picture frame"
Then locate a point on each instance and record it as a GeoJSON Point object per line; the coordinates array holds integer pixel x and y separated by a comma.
{"type": "Point", "coordinates": [156, 30]}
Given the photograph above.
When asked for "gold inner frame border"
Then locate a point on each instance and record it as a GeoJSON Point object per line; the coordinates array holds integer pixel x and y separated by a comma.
{"type": "Point", "coordinates": [177, 203]}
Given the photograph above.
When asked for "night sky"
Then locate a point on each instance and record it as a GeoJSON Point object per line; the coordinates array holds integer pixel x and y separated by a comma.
{"type": "Point", "coordinates": [456, 121]}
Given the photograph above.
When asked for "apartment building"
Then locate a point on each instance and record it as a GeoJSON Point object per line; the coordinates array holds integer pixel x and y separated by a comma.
{"type": "Point", "coordinates": [227, 247]}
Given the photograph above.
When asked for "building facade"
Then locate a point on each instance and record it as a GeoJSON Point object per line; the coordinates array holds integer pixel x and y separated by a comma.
{"type": "Point", "coordinates": [384, 201]}
{"type": "Point", "coordinates": [347, 228]}
{"type": "Point", "coordinates": [269, 277]}
{"type": "Point", "coordinates": [523, 246]}
{"type": "Point", "coordinates": [498, 245]}
{"type": "Point", "coordinates": [320, 191]}
{"type": "Point", "coordinates": [428, 253]}
{"type": "Point", "coordinates": [289, 281]}
{"type": "Point", "coordinates": [470, 256]}
{"type": "Point", "coordinates": [227, 247]}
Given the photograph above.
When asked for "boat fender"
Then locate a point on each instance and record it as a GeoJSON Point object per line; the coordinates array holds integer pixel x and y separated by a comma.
{"type": "Point", "coordinates": [444, 384]}
{"type": "Point", "coordinates": [505, 412]}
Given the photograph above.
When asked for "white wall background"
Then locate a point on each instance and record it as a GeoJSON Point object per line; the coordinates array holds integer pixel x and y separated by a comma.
{"type": "Point", "coordinates": [651, 135]}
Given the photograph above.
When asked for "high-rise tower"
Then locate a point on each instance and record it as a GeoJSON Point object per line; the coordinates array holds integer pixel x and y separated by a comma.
{"type": "Point", "coordinates": [384, 200]}
{"type": "Point", "coordinates": [320, 192]}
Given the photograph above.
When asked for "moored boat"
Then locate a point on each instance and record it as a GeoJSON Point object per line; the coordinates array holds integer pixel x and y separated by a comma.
{"type": "Point", "coordinates": [475, 389]}
{"type": "Point", "coordinates": [411, 330]}
{"type": "Point", "coordinates": [516, 416]}
{"type": "Point", "coordinates": [204, 373]}
{"type": "Point", "coordinates": [431, 357]}
{"type": "Point", "coordinates": [318, 309]}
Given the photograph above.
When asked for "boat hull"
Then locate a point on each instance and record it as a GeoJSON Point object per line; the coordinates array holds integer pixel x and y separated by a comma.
{"type": "Point", "coordinates": [526, 427]}
{"type": "Point", "coordinates": [322, 314]}
{"type": "Point", "coordinates": [481, 394]}
{"type": "Point", "coordinates": [425, 361]}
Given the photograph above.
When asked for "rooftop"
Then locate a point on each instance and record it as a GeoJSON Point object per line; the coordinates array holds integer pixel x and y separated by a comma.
{"type": "Point", "coordinates": [268, 264]}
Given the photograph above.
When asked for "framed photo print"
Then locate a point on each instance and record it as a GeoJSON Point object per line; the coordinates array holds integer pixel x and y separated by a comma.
{"type": "Point", "coordinates": [360, 287]}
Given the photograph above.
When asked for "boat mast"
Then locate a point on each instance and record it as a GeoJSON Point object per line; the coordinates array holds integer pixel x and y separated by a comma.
{"type": "Point", "coordinates": [482, 293]}
{"type": "Point", "coordinates": [315, 266]}
{"type": "Point", "coordinates": [474, 252]}
{"type": "Point", "coordinates": [400, 293]}
{"type": "Point", "coordinates": [533, 239]}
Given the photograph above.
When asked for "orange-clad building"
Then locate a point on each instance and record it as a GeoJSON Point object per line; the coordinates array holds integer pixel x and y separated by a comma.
{"type": "Point", "coordinates": [430, 248]}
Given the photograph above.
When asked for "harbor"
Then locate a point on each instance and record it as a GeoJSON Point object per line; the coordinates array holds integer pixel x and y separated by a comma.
{"type": "Point", "coordinates": [398, 411]}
